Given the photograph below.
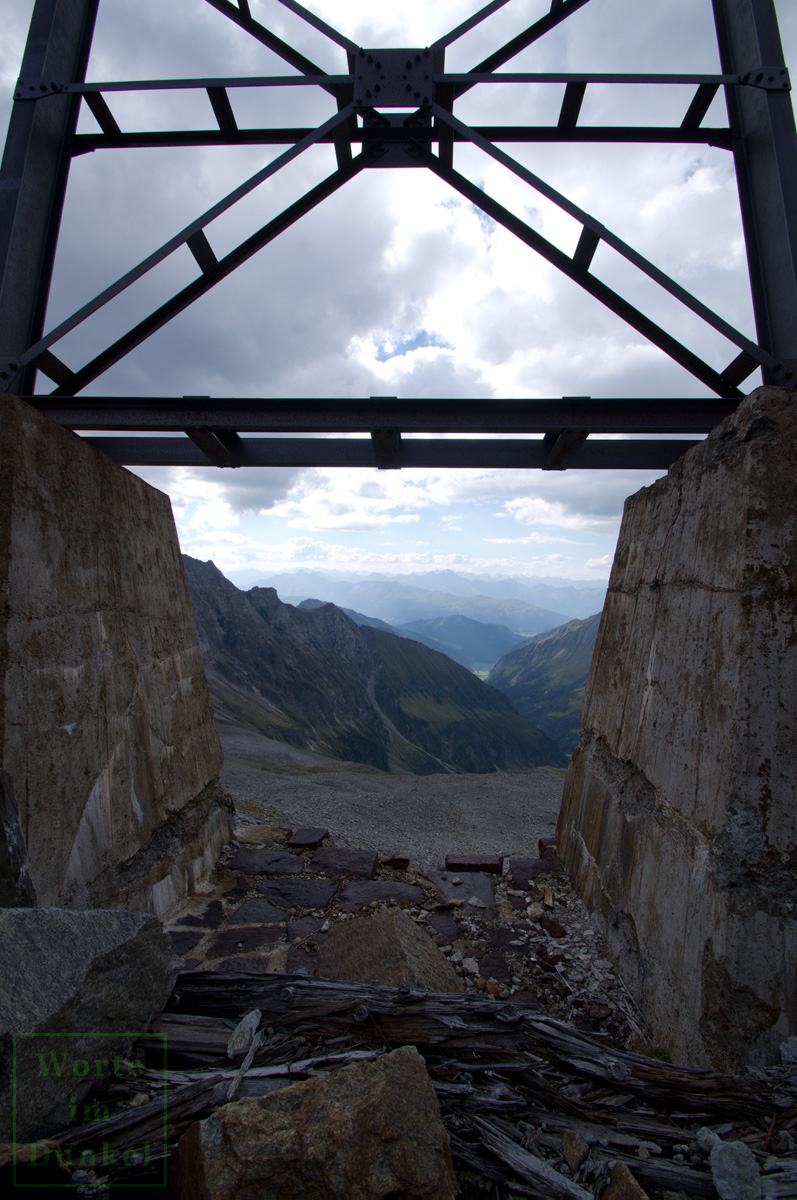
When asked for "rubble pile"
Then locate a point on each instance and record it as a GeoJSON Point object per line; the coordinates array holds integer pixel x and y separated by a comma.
{"type": "Point", "coordinates": [309, 960]}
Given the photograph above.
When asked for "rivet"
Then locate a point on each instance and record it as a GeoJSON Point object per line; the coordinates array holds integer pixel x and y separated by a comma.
{"type": "Point", "coordinates": [408, 88]}
{"type": "Point", "coordinates": [370, 58]}
{"type": "Point", "coordinates": [379, 66]}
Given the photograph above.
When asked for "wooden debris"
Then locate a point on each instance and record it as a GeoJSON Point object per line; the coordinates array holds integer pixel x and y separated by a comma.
{"type": "Point", "coordinates": [515, 1087]}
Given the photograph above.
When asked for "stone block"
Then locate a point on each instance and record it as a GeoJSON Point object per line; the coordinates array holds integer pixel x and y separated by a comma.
{"type": "Point", "coordinates": [265, 861]}
{"type": "Point", "coordinates": [389, 946]}
{"type": "Point", "coordinates": [106, 727]}
{"type": "Point", "coordinates": [359, 894]}
{"type": "Point", "coordinates": [298, 893]}
{"type": "Point", "coordinates": [244, 938]}
{"type": "Point", "coordinates": [256, 912]}
{"type": "Point", "coordinates": [365, 1132]}
{"type": "Point", "coordinates": [308, 839]}
{"type": "Point", "coordinates": [77, 989]}
{"type": "Point", "coordinates": [678, 823]}
{"type": "Point", "coordinates": [334, 860]}
{"type": "Point", "coordinates": [492, 863]}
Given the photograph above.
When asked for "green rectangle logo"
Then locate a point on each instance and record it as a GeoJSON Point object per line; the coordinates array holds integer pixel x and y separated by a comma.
{"type": "Point", "coordinates": [90, 1152]}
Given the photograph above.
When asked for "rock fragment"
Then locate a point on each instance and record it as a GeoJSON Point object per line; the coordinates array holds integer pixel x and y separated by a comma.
{"type": "Point", "coordinates": [364, 1132]}
{"type": "Point", "coordinates": [574, 1148]}
{"type": "Point", "coordinates": [735, 1172]}
{"type": "Point", "coordinates": [623, 1186]}
{"type": "Point", "coordinates": [390, 946]}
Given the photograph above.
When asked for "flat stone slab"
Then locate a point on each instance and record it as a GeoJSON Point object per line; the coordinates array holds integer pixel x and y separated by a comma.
{"type": "Point", "coordinates": [256, 912]}
{"type": "Point", "coordinates": [183, 939]}
{"type": "Point", "coordinates": [475, 884]}
{"type": "Point", "coordinates": [244, 938]}
{"type": "Point", "coordinates": [210, 918]}
{"type": "Point", "coordinates": [334, 860]}
{"type": "Point", "coordinates": [308, 839]}
{"type": "Point", "coordinates": [445, 925]}
{"type": "Point", "coordinates": [491, 863]}
{"type": "Point", "coordinates": [358, 894]}
{"type": "Point", "coordinates": [304, 927]}
{"type": "Point", "coordinates": [525, 870]}
{"type": "Point", "coordinates": [298, 893]}
{"type": "Point", "coordinates": [266, 861]}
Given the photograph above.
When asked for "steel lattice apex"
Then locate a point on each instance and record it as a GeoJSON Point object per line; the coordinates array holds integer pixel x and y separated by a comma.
{"type": "Point", "coordinates": [396, 78]}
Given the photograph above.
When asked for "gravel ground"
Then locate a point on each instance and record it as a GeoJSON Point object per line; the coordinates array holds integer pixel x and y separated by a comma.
{"type": "Point", "coordinates": [424, 817]}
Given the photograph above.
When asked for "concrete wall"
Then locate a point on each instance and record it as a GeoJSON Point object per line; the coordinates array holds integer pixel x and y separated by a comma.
{"type": "Point", "coordinates": [679, 819]}
{"type": "Point", "coordinates": [107, 731]}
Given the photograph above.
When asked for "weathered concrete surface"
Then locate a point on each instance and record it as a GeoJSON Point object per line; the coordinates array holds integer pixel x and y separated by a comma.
{"type": "Point", "coordinates": [366, 1132]}
{"type": "Point", "coordinates": [76, 989]}
{"type": "Point", "coordinates": [678, 822]}
{"type": "Point", "coordinates": [106, 729]}
{"type": "Point", "coordinates": [16, 888]}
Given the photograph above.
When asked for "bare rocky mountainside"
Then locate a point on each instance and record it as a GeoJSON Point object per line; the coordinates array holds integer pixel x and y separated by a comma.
{"type": "Point", "coordinates": [315, 679]}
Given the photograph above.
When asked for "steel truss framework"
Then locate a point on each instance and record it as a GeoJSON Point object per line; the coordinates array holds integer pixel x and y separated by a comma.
{"type": "Point", "coordinates": [422, 134]}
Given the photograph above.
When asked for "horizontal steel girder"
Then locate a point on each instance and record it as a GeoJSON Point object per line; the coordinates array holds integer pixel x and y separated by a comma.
{"type": "Point", "coordinates": [172, 414]}
{"type": "Point", "coordinates": [424, 453]}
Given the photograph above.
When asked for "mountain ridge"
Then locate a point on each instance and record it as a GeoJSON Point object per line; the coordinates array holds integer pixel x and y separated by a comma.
{"type": "Point", "coordinates": [545, 678]}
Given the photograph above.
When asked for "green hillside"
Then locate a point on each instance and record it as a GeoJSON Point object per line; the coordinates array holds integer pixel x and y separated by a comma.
{"type": "Point", "coordinates": [546, 676]}
{"type": "Point", "coordinates": [441, 707]}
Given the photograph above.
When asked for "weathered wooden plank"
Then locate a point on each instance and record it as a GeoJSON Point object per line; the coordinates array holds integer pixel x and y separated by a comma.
{"type": "Point", "coordinates": [531, 1169]}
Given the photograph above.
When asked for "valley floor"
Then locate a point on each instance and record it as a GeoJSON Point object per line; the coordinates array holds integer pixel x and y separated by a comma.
{"type": "Point", "coordinates": [423, 816]}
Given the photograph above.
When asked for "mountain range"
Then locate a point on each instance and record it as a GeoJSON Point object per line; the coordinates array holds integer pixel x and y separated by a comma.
{"type": "Point", "coordinates": [565, 598]}
{"type": "Point", "coordinates": [525, 605]}
{"type": "Point", "coordinates": [313, 677]}
{"type": "Point", "coordinates": [473, 644]}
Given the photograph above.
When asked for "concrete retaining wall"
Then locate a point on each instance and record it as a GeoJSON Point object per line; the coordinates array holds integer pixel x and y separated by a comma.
{"type": "Point", "coordinates": [106, 728]}
{"type": "Point", "coordinates": [679, 819]}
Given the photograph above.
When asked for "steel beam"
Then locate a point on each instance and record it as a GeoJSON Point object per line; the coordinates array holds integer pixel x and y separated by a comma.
{"type": "Point", "coordinates": [165, 414]}
{"type": "Point", "coordinates": [87, 143]}
{"type": "Point", "coordinates": [765, 154]}
{"type": "Point", "coordinates": [515, 454]}
{"type": "Point", "coordinates": [33, 176]}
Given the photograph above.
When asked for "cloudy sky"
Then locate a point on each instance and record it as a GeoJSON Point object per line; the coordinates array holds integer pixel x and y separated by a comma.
{"type": "Point", "coordinates": [395, 285]}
